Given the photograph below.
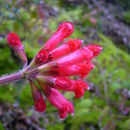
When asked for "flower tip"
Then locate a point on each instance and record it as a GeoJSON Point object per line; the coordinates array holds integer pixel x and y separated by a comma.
{"type": "Point", "coordinates": [93, 66]}
{"type": "Point", "coordinates": [88, 88]}
{"type": "Point", "coordinates": [79, 91]}
{"type": "Point", "coordinates": [82, 41]}
{"type": "Point", "coordinates": [80, 88]}
{"type": "Point", "coordinates": [72, 114]}
{"type": "Point", "coordinates": [101, 47]}
{"type": "Point", "coordinates": [96, 49]}
{"type": "Point", "coordinates": [40, 105]}
{"type": "Point", "coordinates": [41, 57]}
{"type": "Point", "coordinates": [13, 39]}
{"type": "Point", "coordinates": [66, 24]}
{"type": "Point", "coordinates": [67, 28]}
{"type": "Point", "coordinates": [74, 44]}
{"type": "Point", "coordinates": [62, 118]}
{"type": "Point", "coordinates": [79, 42]}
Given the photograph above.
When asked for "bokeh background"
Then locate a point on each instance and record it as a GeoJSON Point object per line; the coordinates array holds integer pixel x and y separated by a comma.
{"type": "Point", "coordinates": [106, 22]}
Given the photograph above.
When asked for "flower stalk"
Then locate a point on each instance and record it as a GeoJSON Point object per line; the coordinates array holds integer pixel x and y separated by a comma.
{"type": "Point", "coordinates": [11, 78]}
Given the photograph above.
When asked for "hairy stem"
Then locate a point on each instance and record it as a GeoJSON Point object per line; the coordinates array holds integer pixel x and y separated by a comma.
{"type": "Point", "coordinates": [11, 78]}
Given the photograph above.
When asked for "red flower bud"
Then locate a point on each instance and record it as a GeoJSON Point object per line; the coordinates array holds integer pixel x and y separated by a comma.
{"type": "Point", "coordinates": [15, 43]}
{"type": "Point", "coordinates": [13, 40]}
{"type": "Point", "coordinates": [66, 29]}
{"type": "Point", "coordinates": [39, 102]}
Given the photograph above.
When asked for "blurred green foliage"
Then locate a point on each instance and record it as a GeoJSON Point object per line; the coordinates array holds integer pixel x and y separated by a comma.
{"type": "Point", "coordinates": [112, 66]}
{"type": "Point", "coordinates": [124, 3]}
{"type": "Point", "coordinates": [1, 126]}
{"type": "Point", "coordinates": [127, 17]}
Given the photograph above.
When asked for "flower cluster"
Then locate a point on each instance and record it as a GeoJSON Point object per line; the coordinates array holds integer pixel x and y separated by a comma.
{"type": "Point", "coordinates": [51, 68]}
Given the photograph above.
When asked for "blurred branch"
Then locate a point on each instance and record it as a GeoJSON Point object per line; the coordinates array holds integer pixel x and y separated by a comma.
{"type": "Point", "coordinates": [105, 88]}
{"type": "Point", "coordinates": [92, 13]}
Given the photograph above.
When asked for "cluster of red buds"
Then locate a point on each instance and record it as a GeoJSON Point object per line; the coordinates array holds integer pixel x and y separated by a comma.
{"type": "Point", "coordinates": [51, 69]}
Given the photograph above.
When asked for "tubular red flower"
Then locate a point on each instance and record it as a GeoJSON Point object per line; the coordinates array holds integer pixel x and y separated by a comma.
{"type": "Point", "coordinates": [83, 54]}
{"type": "Point", "coordinates": [65, 84]}
{"type": "Point", "coordinates": [82, 69]}
{"type": "Point", "coordinates": [96, 49]}
{"type": "Point", "coordinates": [39, 102]}
{"type": "Point", "coordinates": [58, 101]}
{"type": "Point", "coordinates": [66, 48]}
{"type": "Point", "coordinates": [64, 30]}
